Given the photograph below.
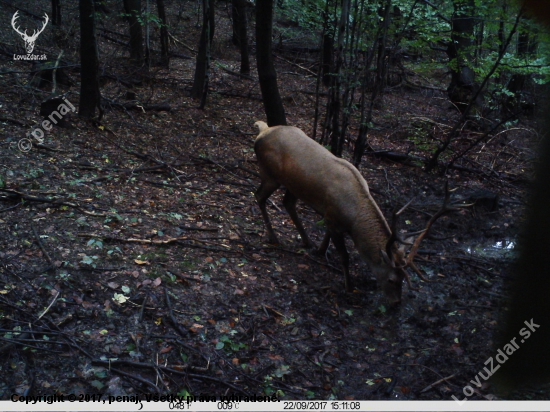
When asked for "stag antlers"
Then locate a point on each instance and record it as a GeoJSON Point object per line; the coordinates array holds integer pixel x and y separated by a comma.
{"type": "Point", "coordinates": [409, 262]}
{"type": "Point", "coordinates": [29, 40]}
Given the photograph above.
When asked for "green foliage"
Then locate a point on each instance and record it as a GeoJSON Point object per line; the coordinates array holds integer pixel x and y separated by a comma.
{"type": "Point", "coordinates": [230, 345]}
{"type": "Point", "coordinates": [420, 133]}
{"type": "Point", "coordinates": [89, 260]}
{"type": "Point", "coordinates": [34, 173]}
{"type": "Point", "coordinates": [184, 394]}
{"type": "Point", "coordinates": [95, 243]}
{"type": "Point", "coordinates": [307, 14]}
{"type": "Point", "coordinates": [115, 251]}
{"type": "Point", "coordinates": [512, 64]}
{"type": "Point", "coordinates": [145, 18]}
{"type": "Point", "coordinates": [113, 218]}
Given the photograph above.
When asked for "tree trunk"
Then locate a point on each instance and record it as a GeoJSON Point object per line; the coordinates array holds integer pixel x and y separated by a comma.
{"type": "Point", "coordinates": [273, 103]}
{"type": "Point", "coordinates": [503, 15]}
{"type": "Point", "coordinates": [480, 39]}
{"type": "Point", "coordinates": [531, 364]}
{"type": "Point", "coordinates": [328, 57]}
{"type": "Point", "coordinates": [460, 51]}
{"type": "Point", "coordinates": [56, 13]}
{"type": "Point", "coordinates": [235, 22]}
{"type": "Point", "coordinates": [240, 29]}
{"type": "Point", "coordinates": [335, 105]}
{"type": "Point", "coordinates": [90, 96]}
{"type": "Point", "coordinates": [200, 82]}
{"type": "Point", "coordinates": [133, 10]}
{"type": "Point", "coordinates": [383, 57]}
{"type": "Point", "coordinates": [164, 47]}
{"type": "Point", "coordinates": [517, 82]}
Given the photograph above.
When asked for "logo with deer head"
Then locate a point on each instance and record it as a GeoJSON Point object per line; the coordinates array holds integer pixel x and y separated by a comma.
{"type": "Point", "coordinates": [29, 40]}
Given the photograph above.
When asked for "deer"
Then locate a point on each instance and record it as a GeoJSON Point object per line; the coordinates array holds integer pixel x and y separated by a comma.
{"type": "Point", "coordinates": [336, 190]}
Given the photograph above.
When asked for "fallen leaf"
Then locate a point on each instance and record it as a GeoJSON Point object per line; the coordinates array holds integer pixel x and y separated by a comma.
{"type": "Point", "coordinates": [196, 328]}
{"type": "Point", "coordinates": [120, 298]}
{"type": "Point", "coordinates": [167, 349]}
{"type": "Point", "coordinates": [116, 349]}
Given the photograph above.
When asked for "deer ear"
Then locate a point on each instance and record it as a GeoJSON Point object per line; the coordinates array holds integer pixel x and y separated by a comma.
{"type": "Point", "coordinates": [386, 258]}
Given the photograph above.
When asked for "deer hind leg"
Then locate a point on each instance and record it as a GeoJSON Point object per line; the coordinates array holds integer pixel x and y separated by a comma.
{"type": "Point", "coordinates": [265, 190]}
{"type": "Point", "coordinates": [289, 202]}
{"type": "Point", "coordinates": [324, 245]}
{"type": "Point", "coordinates": [340, 245]}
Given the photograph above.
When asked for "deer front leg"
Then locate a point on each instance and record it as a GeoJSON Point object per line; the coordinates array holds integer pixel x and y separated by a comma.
{"type": "Point", "coordinates": [289, 202]}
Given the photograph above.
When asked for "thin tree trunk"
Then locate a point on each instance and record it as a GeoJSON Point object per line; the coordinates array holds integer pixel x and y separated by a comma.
{"type": "Point", "coordinates": [460, 51]}
{"type": "Point", "coordinates": [164, 45]}
{"type": "Point", "coordinates": [240, 32]}
{"type": "Point", "coordinates": [382, 61]}
{"type": "Point", "coordinates": [200, 82]}
{"type": "Point", "coordinates": [56, 13]}
{"type": "Point", "coordinates": [517, 82]}
{"type": "Point", "coordinates": [133, 10]}
{"type": "Point", "coordinates": [273, 103]}
{"type": "Point", "coordinates": [90, 96]}
{"type": "Point", "coordinates": [324, 66]}
{"type": "Point", "coordinates": [336, 141]}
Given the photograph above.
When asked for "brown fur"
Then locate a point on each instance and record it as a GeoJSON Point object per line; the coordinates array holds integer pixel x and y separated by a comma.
{"type": "Point", "coordinates": [335, 189]}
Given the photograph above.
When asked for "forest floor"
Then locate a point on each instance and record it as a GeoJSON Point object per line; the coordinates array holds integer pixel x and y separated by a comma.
{"type": "Point", "coordinates": [133, 257]}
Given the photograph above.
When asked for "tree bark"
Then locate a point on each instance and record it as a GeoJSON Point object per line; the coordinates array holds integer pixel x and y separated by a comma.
{"type": "Point", "coordinates": [164, 47]}
{"type": "Point", "coordinates": [383, 57]}
{"type": "Point", "coordinates": [273, 104]}
{"type": "Point", "coordinates": [328, 58]}
{"type": "Point", "coordinates": [531, 364]}
{"type": "Point", "coordinates": [335, 105]}
{"type": "Point", "coordinates": [240, 29]}
{"type": "Point", "coordinates": [90, 96]}
{"type": "Point", "coordinates": [133, 9]}
{"type": "Point", "coordinates": [56, 13]}
{"type": "Point", "coordinates": [460, 51]}
{"type": "Point", "coordinates": [525, 46]}
{"type": "Point", "coordinates": [200, 82]}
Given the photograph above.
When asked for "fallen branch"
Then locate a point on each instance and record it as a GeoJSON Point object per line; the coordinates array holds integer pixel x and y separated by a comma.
{"type": "Point", "coordinates": [296, 65]}
{"type": "Point", "coordinates": [14, 194]}
{"type": "Point", "coordinates": [41, 245]}
{"type": "Point", "coordinates": [233, 73]}
{"type": "Point", "coordinates": [427, 388]}
{"type": "Point", "coordinates": [182, 43]}
{"type": "Point", "coordinates": [14, 121]}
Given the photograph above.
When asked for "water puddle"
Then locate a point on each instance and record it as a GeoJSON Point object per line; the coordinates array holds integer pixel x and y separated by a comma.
{"type": "Point", "coordinates": [502, 249]}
